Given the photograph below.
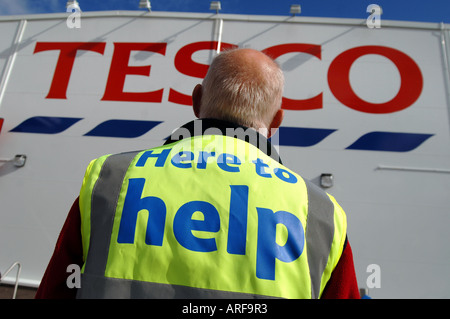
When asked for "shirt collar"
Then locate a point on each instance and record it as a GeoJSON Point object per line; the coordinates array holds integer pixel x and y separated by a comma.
{"type": "Point", "coordinates": [220, 127]}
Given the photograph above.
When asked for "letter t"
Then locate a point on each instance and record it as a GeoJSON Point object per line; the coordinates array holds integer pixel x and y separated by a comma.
{"type": "Point", "coordinates": [68, 52]}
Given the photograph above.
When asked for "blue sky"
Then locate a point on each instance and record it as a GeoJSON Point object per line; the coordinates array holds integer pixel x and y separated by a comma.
{"type": "Point", "coordinates": [406, 10]}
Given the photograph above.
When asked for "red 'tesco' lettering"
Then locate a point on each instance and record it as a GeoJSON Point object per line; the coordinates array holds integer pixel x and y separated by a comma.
{"type": "Point", "coordinates": [312, 49]}
{"type": "Point", "coordinates": [338, 73]}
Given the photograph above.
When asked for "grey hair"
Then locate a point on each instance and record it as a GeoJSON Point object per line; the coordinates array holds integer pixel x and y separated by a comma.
{"type": "Point", "coordinates": [235, 93]}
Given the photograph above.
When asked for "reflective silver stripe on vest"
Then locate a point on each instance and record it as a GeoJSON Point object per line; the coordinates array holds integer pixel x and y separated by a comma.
{"type": "Point", "coordinates": [319, 238]}
{"type": "Point", "coordinates": [319, 234]}
{"type": "Point", "coordinates": [111, 288]}
{"type": "Point", "coordinates": [103, 208]}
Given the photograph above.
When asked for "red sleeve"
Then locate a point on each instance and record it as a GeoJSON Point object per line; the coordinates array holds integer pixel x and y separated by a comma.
{"type": "Point", "coordinates": [68, 250]}
{"type": "Point", "coordinates": [343, 284]}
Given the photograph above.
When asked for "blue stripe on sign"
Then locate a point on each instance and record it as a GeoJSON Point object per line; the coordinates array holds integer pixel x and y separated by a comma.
{"type": "Point", "coordinates": [302, 136]}
{"type": "Point", "coordinates": [122, 128]}
{"type": "Point", "coordinates": [45, 124]}
{"type": "Point", "coordinates": [389, 141]}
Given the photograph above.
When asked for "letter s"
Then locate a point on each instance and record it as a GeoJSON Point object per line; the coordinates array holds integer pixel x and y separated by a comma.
{"type": "Point", "coordinates": [186, 65]}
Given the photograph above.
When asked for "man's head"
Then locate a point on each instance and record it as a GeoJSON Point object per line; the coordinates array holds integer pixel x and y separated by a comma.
{"type": "Point", "coordinates": [244, 86]}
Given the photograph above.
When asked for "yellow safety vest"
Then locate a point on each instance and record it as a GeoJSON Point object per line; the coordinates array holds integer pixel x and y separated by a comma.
{"type": "Point", "coordinates": [208, 216]}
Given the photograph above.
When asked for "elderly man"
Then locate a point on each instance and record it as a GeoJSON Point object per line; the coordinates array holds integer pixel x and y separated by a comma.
{"type": "Point", "coordinates": [213, 213]}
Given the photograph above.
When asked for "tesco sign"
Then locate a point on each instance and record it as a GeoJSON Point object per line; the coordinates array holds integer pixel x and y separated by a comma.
{"type": "Point", "coordinates": [338, 72]}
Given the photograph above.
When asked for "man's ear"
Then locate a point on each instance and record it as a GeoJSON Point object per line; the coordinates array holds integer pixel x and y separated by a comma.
{"type": "Point", "coordinates": [197, 99]}
{"type": "Point", "coordinates": [276, 122]}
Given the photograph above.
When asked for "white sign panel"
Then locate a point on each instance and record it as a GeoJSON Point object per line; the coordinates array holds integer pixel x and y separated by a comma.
{"type": "Point", "coordinates": [368, 105]}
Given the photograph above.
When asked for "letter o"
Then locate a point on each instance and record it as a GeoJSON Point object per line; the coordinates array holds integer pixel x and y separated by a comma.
{"type": "Point", "coordinates": [410, 77]}
{"type": "Point", "coordinates": [290, 178]}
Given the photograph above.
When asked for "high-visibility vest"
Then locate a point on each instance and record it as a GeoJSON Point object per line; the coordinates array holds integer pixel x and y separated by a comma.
{"type": "Point", "coordinates": [208, 216]}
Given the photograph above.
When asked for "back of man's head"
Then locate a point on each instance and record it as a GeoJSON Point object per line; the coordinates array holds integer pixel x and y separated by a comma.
{"type": "Point", "coordinates": [244, 86]}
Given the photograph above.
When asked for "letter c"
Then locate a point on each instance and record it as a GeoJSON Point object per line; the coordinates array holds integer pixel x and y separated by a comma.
{"type": "Point", "coordinates": [276, 51]}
